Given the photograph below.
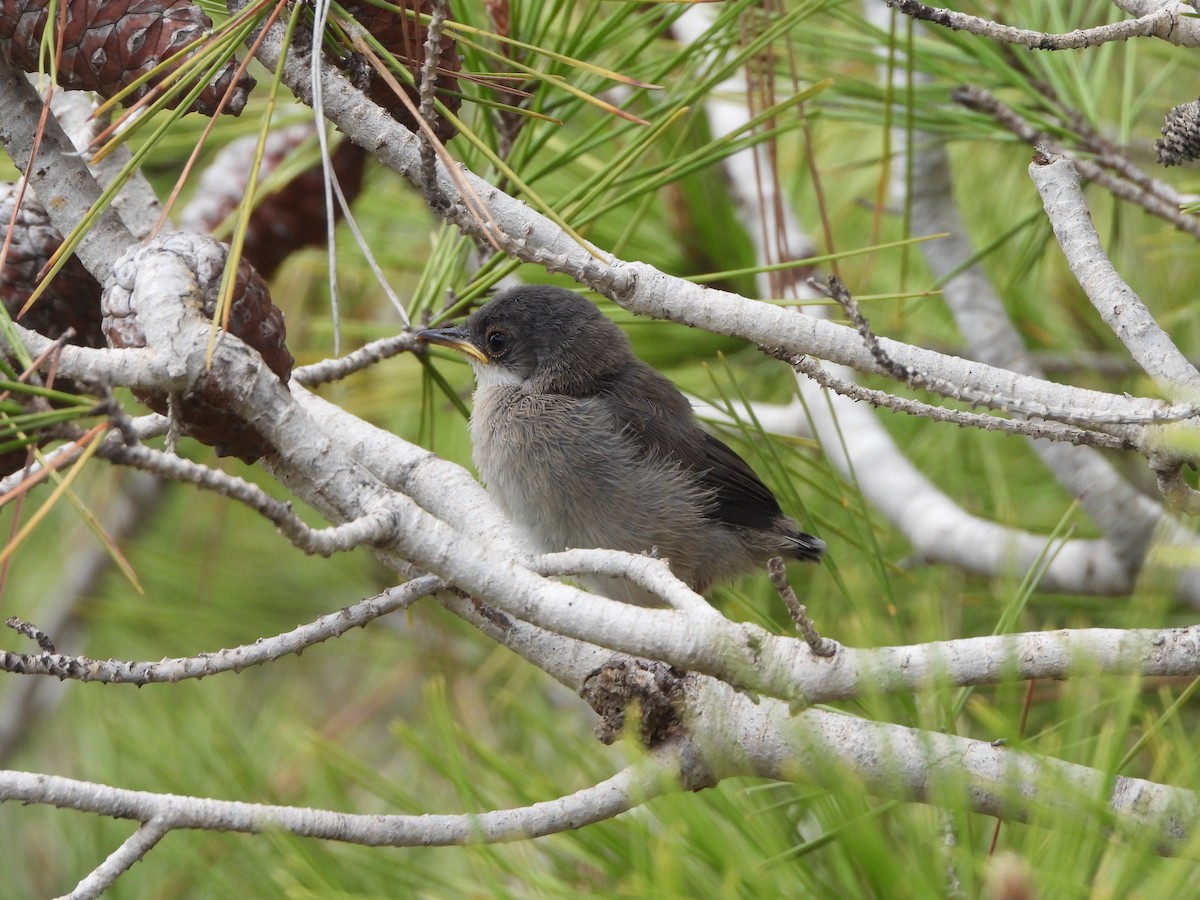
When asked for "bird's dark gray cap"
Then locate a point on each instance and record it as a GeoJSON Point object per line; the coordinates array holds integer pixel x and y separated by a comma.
{"type": "Point", "coordinates": [555, 334]}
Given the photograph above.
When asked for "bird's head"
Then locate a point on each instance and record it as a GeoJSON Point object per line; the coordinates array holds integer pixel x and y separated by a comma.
{"type": "Point", "coordinates": [548, 338]}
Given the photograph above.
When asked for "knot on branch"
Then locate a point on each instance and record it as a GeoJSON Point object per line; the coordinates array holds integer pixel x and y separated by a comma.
{"type": "Point", "coordinates": [108, 45]}
{"type": "Point", "coordinates": [654, 689]}
{"type": "Point", "coordinates": [155, 290]}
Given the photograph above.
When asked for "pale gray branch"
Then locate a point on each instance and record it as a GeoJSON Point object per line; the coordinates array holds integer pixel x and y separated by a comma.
{"type": "Point", "coordinates": [816, 747]}
{"type": "Point", "coordinates": [368, 529]}
{"type": "Point", "coordinates": [120, 860]}
{"type": "Point", "coordinates": [636, 784]}
{"type": "Point", "coordinates": [61, 178]}
{"type": "Point", "coordinates": [329, 370]}
{"type": "Point", "coordinates": [1121, 309]}
{"type": "Point", "coordinates": [652, 574]}
{"type": "Point", "coordinates": [235, 659]}
{"type": "Point", "coordinates": [1043, 430]}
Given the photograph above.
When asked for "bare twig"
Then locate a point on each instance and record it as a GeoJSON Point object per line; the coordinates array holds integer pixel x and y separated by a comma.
{"type": "Point", "coordinates": [1160, 23]}
{"type": "Point", "coordinates": [439, 10]}
{"type": "Point", "coordinates": [1053, 430]}
{"type": "Point", "coordinates": [1129, 182]}
{"type": "Point", "coordinates": [1048, 430]}
{"type": "Point", "coordinates": [32, 632]}
{"type": "Point", "coordinates": [234, 659]}
{"type": "Point", "coordinates": [820, 646]}
{"type": "Point", "coordinates": [834, 289]}
{"type": "Point", "coordinates": [330, 370]}
{"type": "Point", "coordinates": [645, 571]}
{"type": "Point", "coordinates": [143, 427]}
{"type": "Point", "coordinates": [121, 860]}
{"type": "Point", "coordinates": [649, 777]}
{"type": "Point", "coordinates": [323, 541]}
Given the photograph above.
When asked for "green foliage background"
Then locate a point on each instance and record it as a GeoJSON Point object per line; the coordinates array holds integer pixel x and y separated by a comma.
{"type": "Point", "coordinates": [421, 714]}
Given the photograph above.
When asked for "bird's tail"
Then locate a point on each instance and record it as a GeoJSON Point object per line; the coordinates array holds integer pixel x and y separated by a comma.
{"type": "Point", "coordinates": [807, 547]}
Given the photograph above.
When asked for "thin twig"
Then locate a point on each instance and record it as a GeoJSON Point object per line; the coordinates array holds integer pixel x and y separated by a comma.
{"type": "Point", "coordinates": [234, 659]}
{"type": "Point", "coordinates": [324, 541]}
{"type": "Point", "coordinates": [1124, 180]}
{"type": "Point", "coordinates": [820, 646]}
{"type": "Point", "coordinates": [1049, 430]}
{"type": "Point", "coordinates": [1156, 24]}
{"type": "Point", "coordinates": [434, 195]}
{"type": "Point", "coordinates": [648, 572]}
{"type": "Point", "coordinates": [1055, 429]}
{"type": "Point", "coordinates": [834, 289]}
{"type": "Point", "coordinates": [121, 860]}
{"type": "Point", "coordinates": [32, 632]}
{"type": "Point", "coordinates": [654, 774]}
{"type": "Point", "coordinates": [330, 370]}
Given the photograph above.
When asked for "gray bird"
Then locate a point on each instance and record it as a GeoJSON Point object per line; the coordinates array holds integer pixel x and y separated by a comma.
{"type": "Point", "coordinates": [582, 444]}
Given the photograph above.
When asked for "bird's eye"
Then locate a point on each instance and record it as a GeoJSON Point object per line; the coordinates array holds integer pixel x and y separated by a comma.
{"type": "Point", "coordinates": [497, 342]}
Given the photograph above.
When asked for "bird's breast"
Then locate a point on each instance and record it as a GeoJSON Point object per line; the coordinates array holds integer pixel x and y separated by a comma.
{"type": "Point", "coordinates": [531, 449]}
{"type": "Point", "coordinates": [559, 467]}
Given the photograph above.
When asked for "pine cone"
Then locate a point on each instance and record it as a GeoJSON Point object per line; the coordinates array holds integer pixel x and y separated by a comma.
{"type": "Point", "coordinates": [108, 44]}
{"type": "Point", "coordinates": [204, 411]}
{"type": "Point", "coordinates": [71, 300]}
{"type": "Point", "coordinates": [1181, 135]}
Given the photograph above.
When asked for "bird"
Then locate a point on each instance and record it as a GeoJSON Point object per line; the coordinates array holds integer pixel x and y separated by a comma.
{"type": "Point", "coordinates": [583, 445]}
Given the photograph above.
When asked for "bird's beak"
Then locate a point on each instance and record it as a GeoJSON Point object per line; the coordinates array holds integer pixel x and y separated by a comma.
{"type": "Point", "coordinates": [456, 338]}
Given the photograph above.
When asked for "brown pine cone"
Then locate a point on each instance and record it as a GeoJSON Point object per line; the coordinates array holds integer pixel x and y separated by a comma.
{"type": "Point", "coordinates": [71, 300]}
{"type": "Point", "coordinates": [1180, 141]}
{"type": "Point", "coordinates": [108, 44]}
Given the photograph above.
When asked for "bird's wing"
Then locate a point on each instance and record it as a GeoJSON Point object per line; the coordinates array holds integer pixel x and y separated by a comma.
{"type": "Point", "coordinates": [742, 498]}
{"type": "Point", "coordinates": [660, 421]}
